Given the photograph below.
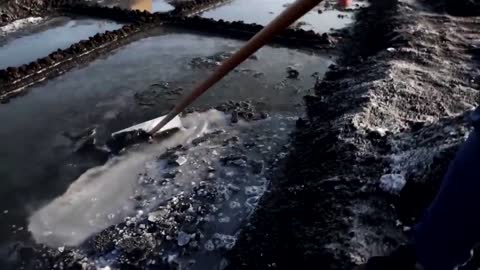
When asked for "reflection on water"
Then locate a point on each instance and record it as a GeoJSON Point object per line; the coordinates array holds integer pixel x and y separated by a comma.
{"type": "Point", "coordinates": [146, 5]}
{"type": "Point", "coordinates": [48, 37]}
{"type": "Point", "coordinates": [321, 19]}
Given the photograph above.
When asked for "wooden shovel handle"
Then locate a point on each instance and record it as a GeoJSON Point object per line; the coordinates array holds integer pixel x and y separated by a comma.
{"type": "Point", "coordinates": [281, 22]}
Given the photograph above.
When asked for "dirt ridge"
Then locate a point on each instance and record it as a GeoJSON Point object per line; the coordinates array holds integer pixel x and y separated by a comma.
{"type": "Point", "coordinates": [392, 110]}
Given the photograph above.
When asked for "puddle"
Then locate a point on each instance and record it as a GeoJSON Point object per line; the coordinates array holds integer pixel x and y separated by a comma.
{"type": "Point", "coordinates": [142, 5]}
{"type": "Point", "coordinates": [266, 10]}
{"type": "Point", "coordinates": [35, 41]}
{"type": "Point", "coordinates": [161, 6]}
{"type": "Point", "coordinates": [133, 84]}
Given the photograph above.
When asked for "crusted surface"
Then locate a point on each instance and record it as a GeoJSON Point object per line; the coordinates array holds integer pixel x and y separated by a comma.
{"type": "Point", "coordinates": [391, 112]}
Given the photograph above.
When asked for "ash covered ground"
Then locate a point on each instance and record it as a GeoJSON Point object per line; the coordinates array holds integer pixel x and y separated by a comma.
{"type": "Point", "coordinates": [377, 138]}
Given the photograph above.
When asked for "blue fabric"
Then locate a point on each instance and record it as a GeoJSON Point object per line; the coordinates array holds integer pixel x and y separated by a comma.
{"type": "Point", "coordinates": [450, 227]}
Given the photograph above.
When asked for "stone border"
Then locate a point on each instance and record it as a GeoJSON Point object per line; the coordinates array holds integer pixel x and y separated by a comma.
{"type": "Point", "coordinates": [238, 29]}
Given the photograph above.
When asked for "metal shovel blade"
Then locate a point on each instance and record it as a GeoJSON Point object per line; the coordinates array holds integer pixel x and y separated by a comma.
{"type": "Point", "coordinates": [149, 125]}
{"type": "Point", "coordinates": [140, 133]}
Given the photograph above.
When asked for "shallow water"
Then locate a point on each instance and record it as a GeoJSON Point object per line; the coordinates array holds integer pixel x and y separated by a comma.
{"type": "Point", "coordinates": [135, 83]}
{"type": "Point", "coordinates": [40, 40]}
{"type": "Point", "coordinates": [263, 11]}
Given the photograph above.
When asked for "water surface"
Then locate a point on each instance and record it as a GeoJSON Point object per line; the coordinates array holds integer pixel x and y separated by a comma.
{"type": "Point", "coordinates": [38, 41]}
{"type": "Point", "coordinates": [322, 19]}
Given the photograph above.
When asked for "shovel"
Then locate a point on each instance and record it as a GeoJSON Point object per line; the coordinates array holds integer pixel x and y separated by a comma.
{"type": "Point", "coordinates": [146, 130]}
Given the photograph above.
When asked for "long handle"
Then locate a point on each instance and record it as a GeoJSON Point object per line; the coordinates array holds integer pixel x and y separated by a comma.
{"type": "Point", "coordinates": [281, 22]}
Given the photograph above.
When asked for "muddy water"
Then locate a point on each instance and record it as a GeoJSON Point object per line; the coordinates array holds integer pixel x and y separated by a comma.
{"type": "Point", "coordinates": [322, 19]}
{"type": "Point", "coordinates": [136, 83]}
{"type": "Point", "coordinates": [35, 41]}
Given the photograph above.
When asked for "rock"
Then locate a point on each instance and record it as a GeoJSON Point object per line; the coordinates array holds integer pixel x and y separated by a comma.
{"type": "Point", "coordinates": [235, 205]}
{"type": "Point", "coordinates": [392, 183]}
{"type": "Point", "coordinates": [170, 175]}
{"type": "Point", "coordinates": [292, 73]}
{"type": "Point", "coordinates": [234, 160]}
{"type": "Point", "coordinates": [211, 176]}
{"type": "Point", "coordinates": [234, 118]}
{"type": "Point", "coordinates": [162, 84]}
{"type": "Point", "coordinates": [180, 161]}
{"type": "Point", "coordinates": [264, 115]}
{"type": "Point", "coordinates": [209, 246]}
{"type": "Point", "coordinates": [326, 39]}
{"type": "Point", "coordinates": [239, 163]}
{"type": "Point", "coordinates": [157, 215]}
